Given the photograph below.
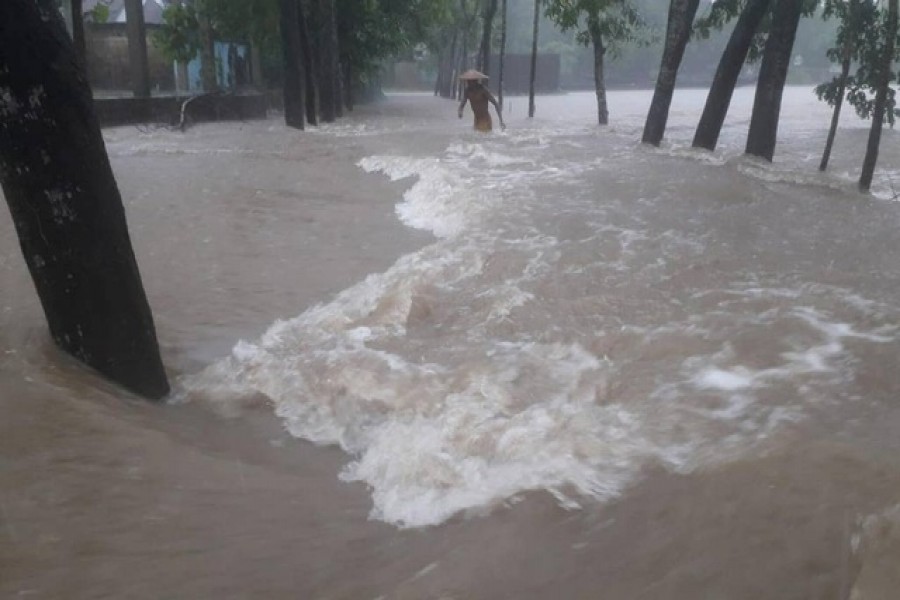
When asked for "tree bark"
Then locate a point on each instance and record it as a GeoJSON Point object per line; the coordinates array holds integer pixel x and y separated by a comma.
{"type": "Point", "coordinates": [65, 204]}
{"type": "Point", "coordinates": [534, 46]}
{"type": "Point", "coordinates": [678, 32]}
{"type": "Point", "coordinates": [327, 58]}
{"type": "Point", "coordinates": [503, 17]}
{"type": "Point", "coordinates": [773, 71]}
{"type": "Point", "coordinates": [490, 9]}
{"type": "Point", "coordinates": [599, 81]}
{"type": "Point", "coordinates": [310, 61]}
{"type": "Point", "coordinates": [137, 48]}
{"type": "Point", "coordinates": [871, 158]}
{"type": "Point", "coordinates": [293, 92]}
{"type": "Point", "coordinates": [838, 104]}
{"type": "Point", "coordinates": [730, 65]}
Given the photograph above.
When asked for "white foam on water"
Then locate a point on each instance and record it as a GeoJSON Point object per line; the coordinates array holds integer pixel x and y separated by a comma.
{"type": "Point", "coordinates": [465, 374]}
{"type": "Point", "coordinates": [439, 201]}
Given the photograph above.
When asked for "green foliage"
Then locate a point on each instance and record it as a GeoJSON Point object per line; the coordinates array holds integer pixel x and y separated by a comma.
{"type": "Point", "coordinates": [371, 31]}
{"type": "Point", "coordinates": [179, 35]}
{"type": "Point", "coordinates": [100, 13]}
{"type": "Point", "coordinates": [860, 37]}
{"type": "Point", "coordinates": [609, 22]}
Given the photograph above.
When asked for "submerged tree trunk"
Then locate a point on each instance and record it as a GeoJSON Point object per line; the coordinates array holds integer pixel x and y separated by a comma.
{"type": "Point", "coordinates": [309, 64]}
{"type": "Point", "coordinates": [678, 32]}
{"type": "Point", "coordinates": [328, 97]}
{"type": "Point", "coordinates": [490, 9]}
{"type": "Point", "coordinates": [65, 204]}
{"type": "Point", "coordinates": [599, 82]}
{"type": "Point", "coordinates": [534, 45]}
{"type": "Point", "coordinates": [868, 170]}
{"type": "Point", "coordinates": [773, 71]}
{"type": "Point", "coordinates": [838, 104]}
{"type": "Point", "coordinates": [502, 53]}
{"type": "Point", "coordinates": [137, 48]}
{"type": "Point", "coordinates": [730, 65]}
{"type": "Point", "coordinates": [294, 97]}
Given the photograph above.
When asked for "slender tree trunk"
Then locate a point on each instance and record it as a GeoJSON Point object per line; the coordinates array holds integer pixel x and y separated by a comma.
{"type": "Point", "coordinates": [309, 63]}
{"type": "Point", "coordinates": [293, 92]}
{"type": "Point", "coordinates": [447, 70]}
{"type": "Point", "coordinates": [490, 9]}
{"type": "Point", "coordinates": [327, 75]}
{"type": "Point", "coordinates": [438, 79]}
{"type": "Point", "coordinates": [730, 65]}
{"type": "Point", "coordinates": [66, 207]}
{"type": "Point", "coordinates": [838, 104]}
{"type": "Point", "coordinates": [534, 47]}
{"type": "Point", "coordinates": [773, 71]}
{"type": "Point", "coordinates": [868, 170]}
{"type": "Point", "coordinates": [208, 76]}
{"type": "Point", "coordinates": [678, 32]}
{"type": "Point", "coordinates": [503, 17]}
{"type": "Point", "coordinates": [599, 82]}
{"type": "Point", "coordinates": [137, 48]}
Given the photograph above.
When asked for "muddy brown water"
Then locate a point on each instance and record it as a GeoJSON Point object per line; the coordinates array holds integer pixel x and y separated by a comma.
{"type": "Point", "coordinates": [730, 328]}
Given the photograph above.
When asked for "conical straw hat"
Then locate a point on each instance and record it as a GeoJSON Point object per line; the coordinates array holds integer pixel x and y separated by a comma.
{"type": "Point", "coordinates": [473, 74]}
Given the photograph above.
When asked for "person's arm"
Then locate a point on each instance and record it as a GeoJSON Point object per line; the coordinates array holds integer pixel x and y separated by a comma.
{"type": "Point", "coordinates": [462, 105]}
{"type": "Point", "coordinates": [496, 104]}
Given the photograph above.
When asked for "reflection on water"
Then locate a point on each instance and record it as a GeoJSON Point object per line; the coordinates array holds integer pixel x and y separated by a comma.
{"type": "Point", "coordinates": [661, 373]}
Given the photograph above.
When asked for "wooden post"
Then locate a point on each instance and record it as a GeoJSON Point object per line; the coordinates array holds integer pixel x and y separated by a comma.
{"type": "Point", "coordinates": [65, 204]}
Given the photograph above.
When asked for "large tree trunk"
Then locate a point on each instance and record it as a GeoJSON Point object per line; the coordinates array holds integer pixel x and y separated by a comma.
{"type": "Point", "coordinates": [137, 48]}
{"type": "Point", "coordinates": [490, 9]}
{"type": "Point", "coordinates": [310, 60]}
{"type": "Point", "coordinates": [678, 32]}
{"type": "Point", "coordinates": [327, 60]}
{"type": "Point", "coordinates": [65, 204]}
{"type": "Point", "coordinates": [294, 98]}
{"type": "Point", "coordinates": [503, 17]}
{"type": "Point", "coordinates": [773, 71]}
{"type": "Point", "coordinates": [838, 104]}
{"type": "Point", "coordinates": [599, 82]}
{"type": "Point", "coordinates": [534, 46]}
{"type": "Point", "coordinates": [730, 65]}
{"type": "Point", "coordinates": [884, 74]}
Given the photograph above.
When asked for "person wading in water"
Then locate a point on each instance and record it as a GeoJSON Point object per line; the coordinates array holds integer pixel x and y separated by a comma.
{"type": "Point", "coordinates": [479, 96]}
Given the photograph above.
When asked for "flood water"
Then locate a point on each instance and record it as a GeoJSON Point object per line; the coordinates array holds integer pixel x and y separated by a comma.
{"type": "Point", "coordinates": [412, 361]}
